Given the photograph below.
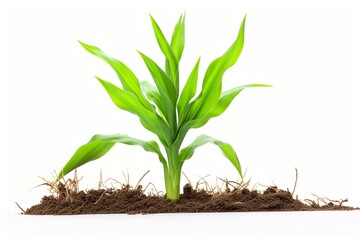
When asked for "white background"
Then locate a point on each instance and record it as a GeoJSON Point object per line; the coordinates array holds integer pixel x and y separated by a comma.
{"type": "Point", "coordinates": [51, 103]}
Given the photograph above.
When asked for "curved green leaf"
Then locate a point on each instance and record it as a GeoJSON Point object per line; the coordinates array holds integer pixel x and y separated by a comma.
{"type": "Point", "coordinates": [178, 38]}
{"type": "Point", "coordinates": [99, 145]}
{"type": "Point", "coordinates": [167, 51]}
{"type": "Point", "coordinates": [223, 103]}
{"type": "Point", "coordinates": [128, 102]}
{"type": "Point", "coordinates": [128, 79]}
{"type": "Point", "coordinates": [227, 97]}
{"type": "Point", "coordinates": [188, 91]}
{"type": "Point", "coordinates": [153, 95]}
{"type": "Point", "coordinates": [166, 90]}
{"type": "Point", "coordinates": [185, 127]}
{"type": "Point", "coordinates": [226, 149]}
{"type": "Point", "coordinates": [212, 84]}
{"type": "Point", "coordinates": [162, 81]}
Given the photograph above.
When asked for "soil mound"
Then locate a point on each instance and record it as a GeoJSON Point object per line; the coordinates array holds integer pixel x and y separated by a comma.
{"type": "Point", "coordinates": [134, 201]}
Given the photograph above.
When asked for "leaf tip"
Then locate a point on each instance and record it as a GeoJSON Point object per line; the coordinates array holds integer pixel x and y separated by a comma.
{"type": "Point", "coordinates": [152, 19]}
{"type": "Point", "coordinates": [265, 85]}
{"type": "Point", "coordinates": [183, 15]}
{"type": "Point", "coordinates": [99, 79]}
{"type": "Point", "coordinates": [241, 174]}
{"type": "Point", "coordinates": [82, 43]}
{"type": "Point", "coordinates": [243, 21]}
{"type": "Point", "coordinates": [140, 53]}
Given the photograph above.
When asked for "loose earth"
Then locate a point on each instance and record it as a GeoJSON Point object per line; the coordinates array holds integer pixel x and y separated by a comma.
{"type": "Point", "coordinates": [134, 201]}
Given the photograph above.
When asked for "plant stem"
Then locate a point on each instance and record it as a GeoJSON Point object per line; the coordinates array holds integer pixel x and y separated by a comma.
{"type": "Point", "coordinates": [172, 174]}
{"type": "Point", "coordinates": [172, 185]}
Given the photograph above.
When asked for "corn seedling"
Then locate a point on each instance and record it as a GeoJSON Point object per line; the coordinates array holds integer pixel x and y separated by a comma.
{"type": "Point", "coordinates": [165, 110]}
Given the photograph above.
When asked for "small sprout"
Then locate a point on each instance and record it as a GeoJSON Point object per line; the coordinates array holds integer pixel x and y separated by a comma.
{"type": "Point", "coordinates": [164, 109]}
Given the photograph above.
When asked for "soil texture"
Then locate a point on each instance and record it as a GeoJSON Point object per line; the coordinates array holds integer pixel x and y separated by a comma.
{"type": "Point", "coordinates": [135, 201]}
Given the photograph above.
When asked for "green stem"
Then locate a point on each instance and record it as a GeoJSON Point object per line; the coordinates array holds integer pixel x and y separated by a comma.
{"type": "Point", "coordinates": [172, 174]}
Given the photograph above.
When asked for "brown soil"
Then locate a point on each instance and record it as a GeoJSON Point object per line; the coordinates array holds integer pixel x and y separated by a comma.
{"type": "Point", "coordinates": [134, 201]}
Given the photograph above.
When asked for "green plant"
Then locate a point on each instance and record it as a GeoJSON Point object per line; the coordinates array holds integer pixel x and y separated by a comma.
{"type": "Point", "coordinates": [163, 109]}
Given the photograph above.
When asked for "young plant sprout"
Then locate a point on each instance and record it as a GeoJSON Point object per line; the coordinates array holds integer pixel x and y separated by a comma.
{"type": "Point", "coordinates": [165, 110]}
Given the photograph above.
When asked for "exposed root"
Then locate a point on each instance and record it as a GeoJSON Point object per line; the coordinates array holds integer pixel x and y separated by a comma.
{"type": "Point", "coordinates": [113, 180]}
{"type": "Point", "coordinates": [22, 210]}
{"type": "Point", "coordinates": [296, 179]}
{"type": "Point", "coordinates": [52, 186]}
{"type": "Point", "coordinates": [312, 203]}
{"type": "Point", "coordinates": [235, 186]}
{"type": "Point", "coordinates": [202, 181]}
{"type": "Point", "coordinates": [217, 186]}
{"type": "Point", "coordinates": [68, 188]}
{"type": "Point", "coordinates": [100, 197]}
{"type": "Point", "coordinates": [127, 177]}
{"type": "Point", "coordinates": [339, 202]}
{"type": "Point", "coordinates": [62, 188]}
{"type": "Point", "coordinates": [101, 182]}
{"type": "Point", "coordinates": [153, 191]}
{"type": "Point", "coordinates": [138, 183]}
{"type": "Point", "coordinates": [74, 183]}
{"type": "Point", "coordinates": [188, 180]}
{"type": "Point", "coordinates": [324, 201]}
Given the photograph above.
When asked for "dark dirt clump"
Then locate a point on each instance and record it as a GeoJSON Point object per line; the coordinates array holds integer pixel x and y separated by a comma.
{"type": "Point", "coordinates": [134, 201]}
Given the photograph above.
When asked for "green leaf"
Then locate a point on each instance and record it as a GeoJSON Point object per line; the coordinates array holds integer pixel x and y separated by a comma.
{"type": "Point", "coordinates": [212, 84]}
{"type": "Point", "coordinates": [166, 90]}
{"type": "Point", "coordinates": [177, 42]}
{"type": "Point", "coordinates": [178, 38]}
{"type": "Point", "coordinates": [128, 79]}
{"type": "Point", "coordinates": [226, 149]}
{"type": "Point", "coordinates": [99, 145]}
{"type": "Point", "coordinates": [169, 54]}
{"type": "Point", "coordinates": [227, 97]}
{"type": "Point", "coordinates": [162, 81]}
{"type": "Point", "coordinates": [149, 119]}
{"type": "Point", "coordinates": [153, 95]}
{"type": "Point", "coordinates": [188, 91]}
{"type": "Point", "coordinates": [186, 126]}
{"type": "Point", "coordinates": [223, 103]}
